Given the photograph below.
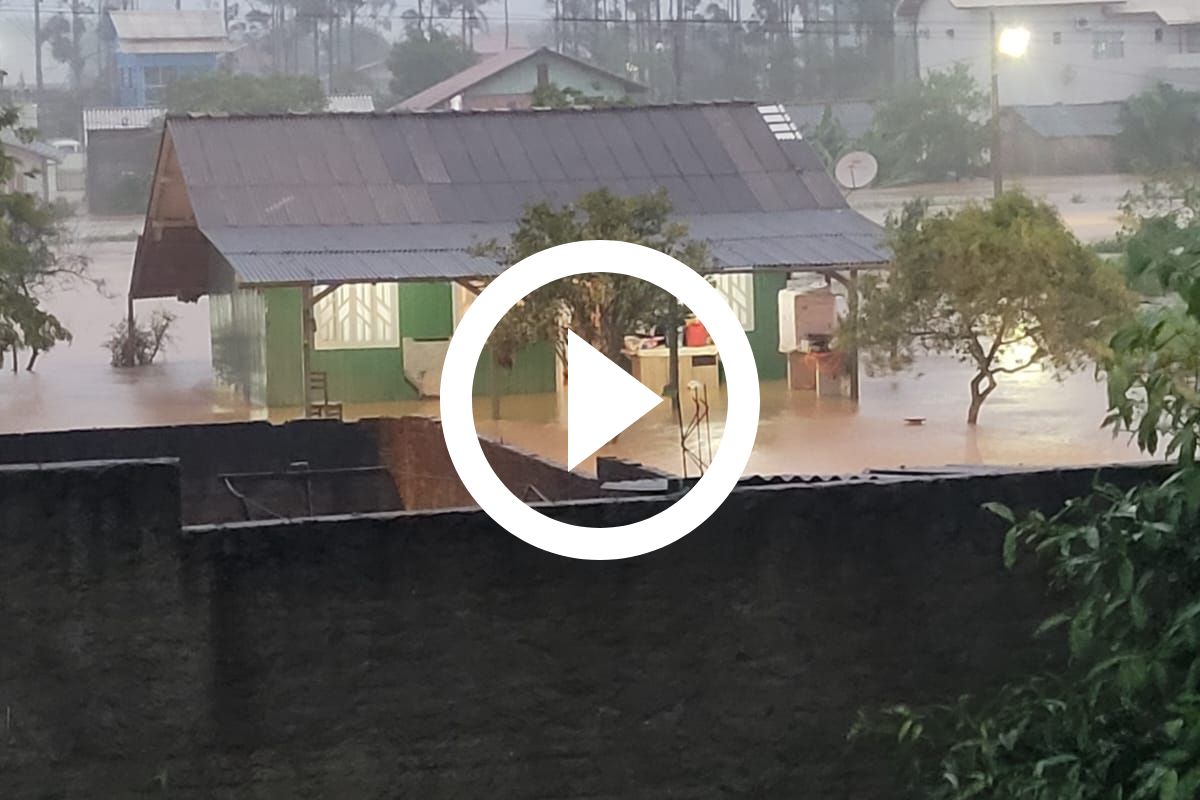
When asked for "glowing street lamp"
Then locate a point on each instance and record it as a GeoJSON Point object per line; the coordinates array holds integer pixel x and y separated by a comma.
{"type": "Point", "coordinates": [1012, 42]}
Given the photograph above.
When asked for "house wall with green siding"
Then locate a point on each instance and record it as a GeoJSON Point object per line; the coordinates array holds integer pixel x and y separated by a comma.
{"type": "Point", "coordinates": [372, 375]}
{"type": "Point", "coordinates": [764, 339]}
{"type": "Point", "coordinates": [237, 321]}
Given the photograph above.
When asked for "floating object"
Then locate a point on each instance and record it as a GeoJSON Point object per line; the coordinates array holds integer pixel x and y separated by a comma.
{"type": "Point", "coordinates": [914, 420]}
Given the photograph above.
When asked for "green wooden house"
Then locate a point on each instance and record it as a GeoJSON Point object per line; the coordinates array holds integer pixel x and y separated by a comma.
{"type": "Point", "coordinates": [342, 243]}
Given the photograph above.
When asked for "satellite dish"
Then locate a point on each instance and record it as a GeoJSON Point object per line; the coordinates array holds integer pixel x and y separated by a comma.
{"type": "Point", "coordinates": [856, 170]}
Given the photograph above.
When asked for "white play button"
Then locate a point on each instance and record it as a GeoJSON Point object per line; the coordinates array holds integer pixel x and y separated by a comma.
{"type": "Point", "coordinates": [602, 400]}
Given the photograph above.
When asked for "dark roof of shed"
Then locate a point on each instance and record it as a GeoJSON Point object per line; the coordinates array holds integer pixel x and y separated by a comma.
{"type": "Point", "coordinates": [1063, 121]}
{"type": "Point", "coordinates": [356, 197]}
{"type": "Point", "coordinates": [494, 64]}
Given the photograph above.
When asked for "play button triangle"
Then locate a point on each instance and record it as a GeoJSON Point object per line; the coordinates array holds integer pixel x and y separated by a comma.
{"type": "Point", "coordinates": [602, 400]}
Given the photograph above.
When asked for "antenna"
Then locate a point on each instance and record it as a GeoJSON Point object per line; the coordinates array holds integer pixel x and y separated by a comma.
{"type": "Point", "coordinates": [856, 170]}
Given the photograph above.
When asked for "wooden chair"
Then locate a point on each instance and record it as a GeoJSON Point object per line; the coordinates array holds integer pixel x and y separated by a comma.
{"type": "Point", "coordinates": [318, 405]}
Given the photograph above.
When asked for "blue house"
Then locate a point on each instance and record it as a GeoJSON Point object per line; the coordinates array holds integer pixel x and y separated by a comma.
{"type": "Point", "coordinates": [153, 48]}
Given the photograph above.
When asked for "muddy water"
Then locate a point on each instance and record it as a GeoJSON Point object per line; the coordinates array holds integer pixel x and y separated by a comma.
{"type": "Point", "coordinates": [1031, 419]}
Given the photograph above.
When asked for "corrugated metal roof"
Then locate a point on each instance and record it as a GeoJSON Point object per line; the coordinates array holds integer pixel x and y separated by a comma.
{"type": "Point", "coordinates": [176, 46]}
{"type": "Point", "coordinates": [115, 119]}
{"type": "Point", "coordinates": [460, 82]}
{"type": "Point", "coordinates": [347, 253]}
{"type": "Point", "coordinates": [1065, 121]}
{"type": "Point", "coordinates": [192, 24]}
{"type": "Point", "coordinates": [292, 268]}
{"type": "Point", "coordinates": [351, 103]}
{"type": "Point", "coordinates": [329, 197]}
{"type": "Point", "coordinates": [40, 149]}
{"type": "Point", "coordinates": [325, 169]}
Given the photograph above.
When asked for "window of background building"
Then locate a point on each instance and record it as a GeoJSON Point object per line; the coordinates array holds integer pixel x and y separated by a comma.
{"type": "Point", "coordinates": [738, 291]}
{"type": "Point", "coordinates": [1108, 44]}
{"type": "Point", "coordinates": [359, 315]}
{"type": "Point", "coordinates": [1191, 38]}
{"type": "Point", "coordinates": [157, 79]}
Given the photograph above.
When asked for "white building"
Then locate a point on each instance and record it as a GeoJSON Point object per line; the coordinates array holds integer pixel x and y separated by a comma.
{"type": "Point", "coordinates": [1080, 52]}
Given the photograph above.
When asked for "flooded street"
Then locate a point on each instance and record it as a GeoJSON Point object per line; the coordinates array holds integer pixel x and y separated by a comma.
{"type": "Point", "coordinates": [1031, 418]}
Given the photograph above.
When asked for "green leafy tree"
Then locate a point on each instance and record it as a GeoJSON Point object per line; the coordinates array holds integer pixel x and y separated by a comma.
{"type": "Point", "coordinates": [828, 138]}
{"type": "Point", "coordinates": [32, 263]}
{"type": "Point", "coordinates": [1118, 717]}
{"type": "Point", "coordinates": [602, 308]}
{"type": "Point", "coordinates": [423, 58]}
{"type": "Point", "coordinates": [1160, 130]}
{"type": "Point", "coordinates": [1003, 287]}
{"type": "Point", "coordinates": [551, 95]}
{"type": "Point", "coordinates": [226, 93]}
{"type": "Point", "coordinates": [931, 129]}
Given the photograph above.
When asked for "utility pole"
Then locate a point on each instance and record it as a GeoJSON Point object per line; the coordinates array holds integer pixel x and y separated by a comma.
{"type": "Point", "coordinates": [76, 39]}
{"type": "Point", "coordinates": [997, 177]}
{"type": "Point", "coordinates": [37, 45]}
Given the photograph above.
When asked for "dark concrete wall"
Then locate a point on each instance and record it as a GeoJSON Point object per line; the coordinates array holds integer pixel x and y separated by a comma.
{"type": "Point", "coordinates": [207, 451]}
{"type": "Point", "coordinates": [433, 655]}
{"type": "Point", "coordinates": [420, 474]}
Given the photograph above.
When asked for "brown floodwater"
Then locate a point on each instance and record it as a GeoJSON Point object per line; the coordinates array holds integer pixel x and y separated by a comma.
{"type": "Point", "coordinates": [1031, 419]}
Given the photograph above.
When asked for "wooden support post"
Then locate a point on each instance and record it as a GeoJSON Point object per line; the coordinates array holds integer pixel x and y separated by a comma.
{"type": "Point", "coordinates": [852, 301]}
{"type": "Point", "coordinates": [307, 329]}
{"type": "Point", "coordinates": [130, 331]}
{"type": "Point", "coordinates": [851, 284]}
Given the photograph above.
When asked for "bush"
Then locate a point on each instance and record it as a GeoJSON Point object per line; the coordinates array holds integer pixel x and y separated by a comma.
{"type": "Point", "coordinates": [146, 342]}
{"type": "Point", "coordinates": [1160, 130]}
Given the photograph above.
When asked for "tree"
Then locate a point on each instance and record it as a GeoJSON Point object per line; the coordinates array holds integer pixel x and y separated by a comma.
{"type": "Point", "coordinates": [1160, 130]}
{"type": "Point", "coordinates": [65, 37]}
{"type": "Point", "coordinates": [139, 346]}
{"type": "Point", "coordinates": [424, 58]}
{"type": "Point", "coordinates": [603, 308]}
{"type": "Point", "coordinates": [1003, 287]}
{"type": "Point", "coordinates": [828, 138]}
{"type": "Point", "coordinates": [931, 129]}
{"type": "Point", "coordinates": [551, 95]}
{"type": "Point", "coordinates": [31, 264]}
{"type": "Point", "coordinates": [1118, 714]}
{"type": "Point", "coordinates": [225, 93]}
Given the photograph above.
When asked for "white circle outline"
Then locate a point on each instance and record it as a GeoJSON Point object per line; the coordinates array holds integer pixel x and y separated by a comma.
{"type": "Point", "coordinates": [579, 541]}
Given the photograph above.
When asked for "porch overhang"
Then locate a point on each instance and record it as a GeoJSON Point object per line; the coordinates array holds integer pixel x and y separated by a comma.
{"type": "Point", "coordinates": [176, 265]}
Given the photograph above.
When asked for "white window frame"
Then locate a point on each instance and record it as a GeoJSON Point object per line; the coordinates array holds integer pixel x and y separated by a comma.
{"type": "Point", "coordinates": [738, 290]}
{"type": "Point", "coordinates": [358, 316]}
{"type": "Point", "coordinates": [1108, 45]}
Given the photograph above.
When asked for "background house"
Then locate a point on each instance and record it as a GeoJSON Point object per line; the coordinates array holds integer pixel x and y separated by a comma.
{"type": "Point", "coordinates": [366, 224]}
{"type": "Point", "coordinates": [507, 80]}
{"type": "Point", "coordinates": [1080, 52]}
{"type": "Point", "coordinates": [1061, 139]}
{"type": "Point", "coordinates": [121, 143]}
{"type": "Point", "coordinates": [153, 48]}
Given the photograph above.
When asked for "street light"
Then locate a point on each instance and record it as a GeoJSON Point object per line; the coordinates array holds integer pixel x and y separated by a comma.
{"type": "Point", "coordinates": [1012, 42]}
